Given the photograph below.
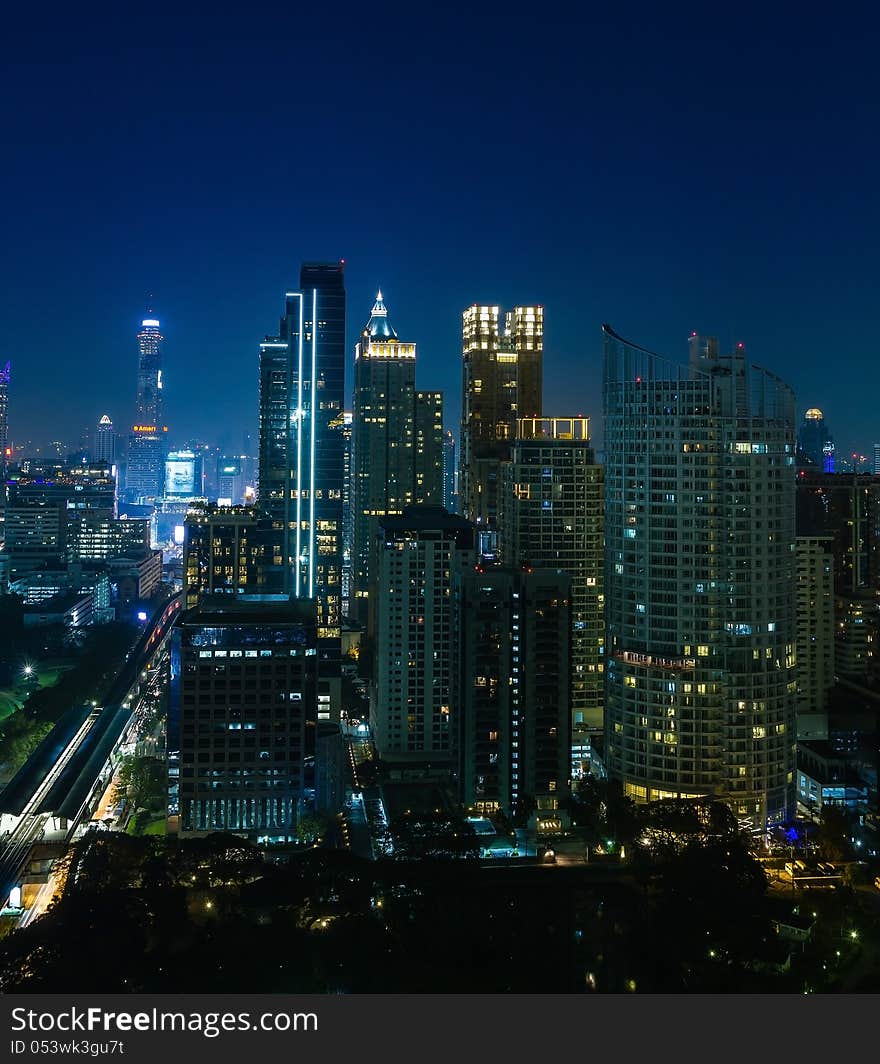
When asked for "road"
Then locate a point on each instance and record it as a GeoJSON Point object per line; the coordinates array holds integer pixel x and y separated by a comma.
{"type": "Point", "coordinates": [30, 825]}
{"type": "Point", "coordinates": [364, 813]}
{"type": "Point", "coordinates": [28, 828]}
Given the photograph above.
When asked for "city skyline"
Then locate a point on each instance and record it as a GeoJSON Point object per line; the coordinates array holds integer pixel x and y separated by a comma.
{"type": "Point", "coordinates": [734, 234]}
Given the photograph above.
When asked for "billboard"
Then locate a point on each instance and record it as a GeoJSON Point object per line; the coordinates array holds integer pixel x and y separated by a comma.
{"type": "Point", "coordinates": [183, 475]}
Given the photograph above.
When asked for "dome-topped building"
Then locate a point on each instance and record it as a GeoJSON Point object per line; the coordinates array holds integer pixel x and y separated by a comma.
{"type": "Point", "coordinates": [815, 442]}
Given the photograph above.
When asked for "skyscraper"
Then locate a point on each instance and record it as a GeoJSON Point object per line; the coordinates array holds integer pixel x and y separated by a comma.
{"type": "Point", "coordinates": [551, 516]}
{"type": "Point", "coordinates": [347, 511]}
{"type": "Point", "coordinates": [242, 716]}
{"type": "Point", "coordinates": [397, 439]}
{"type": "Point", "coordinates": [512, 693]}
{"type": "Point", "coordinates": [5, 454]}
{"type": "Point", "coordinates": [815, 633]}
{"type": "Point", "coordinates": [224, 550]}
{"type": "Point", "coordinates": [146, 445]}
{"type": "Point", "coordinates": [501, 381]}
{"type": "Point", "coordinates": [815, 441]}
{"type": "Point", "coordinates": [419, 552]}
{"type": "Point", "coordinates": [105, 441]}
{"type": "Point", "coordinates": [301, 454]}
{"type": "Point", "coordinates": [700, 578]}
{"type": "Point", "coordinates": [450, 501]}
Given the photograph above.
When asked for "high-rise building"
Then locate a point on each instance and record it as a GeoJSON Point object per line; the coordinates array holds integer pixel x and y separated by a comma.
{"type": "Point", "coordinates": [419, 552]}
{"type": "Point", "coordinates": [146, 444]}
{"type": "Point", "coordinates": [845, 506]}
{"type": "Point", "coordinates": [857, 624]}
{"type": "Point", "coordinates": [701, 686]}
{"type": "Point", "coordinates": [224, 551]}
{"type": "Point", "coordinates": [512, 695]}
{"type": "Point", "coordinates": [242, 716]}
{"type": "Point", "coordinates": [347, 510]}
{"type": "Point", "coordinates": [44, 510]}
{"type": "Point", "coordinates": [92, 535]}
{"type": "Point", "coordinates": [501, 381]}
{"type": "Point", "coordinates": [814, 644]}
{"type": "Point", "coordinates": [428, 451]}
{"type": "Point", "coordinates": [148, 404]}
{"type": "Point", "coordinates": [876, 465]}
{"type": "Point", "coordinates": [450, 499]}
{"type": "Point", "coordinates": [551, 516]}
{"type": "Point", "coordinates": [815, 442]}
{"type": "Point", "coordinates": [302, 372]}
{"type": "Point", "coordinates": [105, 441]}
{"type": "Point", "coordinates": [397, 439]}
{"type": "Point", "coordinates": [5, 449]}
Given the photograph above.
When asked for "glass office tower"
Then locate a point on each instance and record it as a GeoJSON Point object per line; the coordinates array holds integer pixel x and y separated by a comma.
{"type": "Point", "coordinates": [302, 377]}
{"type": "Point", "coordinates": [701, 683]}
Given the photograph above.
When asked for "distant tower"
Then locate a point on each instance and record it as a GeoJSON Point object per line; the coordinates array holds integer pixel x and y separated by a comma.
{"type": "Point", "coordinates": [105, 441]}
{"type": "Point", "coordinates": [148, 407]}
{"type": "Point", "coordinates": [815, 441]}
{"type": "Point", "coordinates": [5, 373]}
{"type": "Point", "coordinates": [143, 481]}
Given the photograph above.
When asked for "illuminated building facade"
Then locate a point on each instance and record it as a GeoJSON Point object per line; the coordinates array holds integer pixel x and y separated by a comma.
{"type": "Point", "coordinates": [347, 510]}
{"type": "Point", "coordinates": [242, 716]}
{"type": "Point", "coordinates": [701, 683]}
{"type": "Point", "coordinates": [105, 441]}
{"type": "Point", "coordinates": [512, 693]}
{"type": "Point", "coordinates": [301, 467]}
{"type": "Point", "coordinates": [224, 551]}
{"type": "Point", "coordinates": [551, 516]}
{"type": "Point", "coordinates": [814, 643]}
{"type": "Point", "coordinates": [146, 444]}
{"type": "Point", "coordinates": [815, 442]}
{"type": "Point", "coordinates": [501, 381]}
{"type": "Point", "coordinates": [450, 495]}
{"type": "Point", "coordinates": [5, 449]}
{"type": "Point", "coordinates": [418, 554]}
{"type": "Point", "coordinates": [397, 440]}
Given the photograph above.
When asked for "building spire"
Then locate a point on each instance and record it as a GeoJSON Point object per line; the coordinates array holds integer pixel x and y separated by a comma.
{"type": "Point", "coordinates": [378, 327]}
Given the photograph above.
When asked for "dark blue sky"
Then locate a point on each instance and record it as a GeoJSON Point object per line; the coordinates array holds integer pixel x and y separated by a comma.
{"type": "Point", "coordinates": [715, 169]}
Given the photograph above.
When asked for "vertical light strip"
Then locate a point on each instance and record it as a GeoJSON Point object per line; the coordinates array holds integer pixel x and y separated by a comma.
{"type": "Point", "coordinates": [299, 402]}
{"type": "Point", "coordinates": [312, 443]}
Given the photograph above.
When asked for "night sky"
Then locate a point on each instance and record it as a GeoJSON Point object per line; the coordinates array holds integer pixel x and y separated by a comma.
{"type": "Point", "coordinates": [712, 169]}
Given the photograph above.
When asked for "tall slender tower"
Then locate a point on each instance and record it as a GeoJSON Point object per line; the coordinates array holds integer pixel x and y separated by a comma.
{"type": "Point", "coordinates": [148, 407]}
{"type": "Point", "coordinates": [501, 381]}
{"type": "Point", "coordinates": [105, 441]}
{"type": "Point", "coordinates": [146, 445]}
{"type": "Point", "coordinates": [5, 374]}
{"type": "Point", "coordinates": [397, 441]}
{"type": "Point", "coordinates": [551, 515]}
{"type": "Point", "coordinates": [701, 681]}
{"type": "Point", "coordinates": [302, 389]}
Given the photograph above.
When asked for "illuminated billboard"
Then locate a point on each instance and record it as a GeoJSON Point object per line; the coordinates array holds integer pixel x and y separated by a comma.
{"type": "Point", "coordinates": [183, 474]}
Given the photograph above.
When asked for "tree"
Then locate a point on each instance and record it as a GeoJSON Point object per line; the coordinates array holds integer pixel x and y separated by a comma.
{"type": "Point", "coordinates": [832, 836]}
{"type": "Point", "coordinates": [415, 836]}
{"type": "Point", "coordinates": [142, 779]}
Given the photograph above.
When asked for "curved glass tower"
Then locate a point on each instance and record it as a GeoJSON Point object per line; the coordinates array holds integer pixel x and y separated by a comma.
{"type": "Point", "coordinates": [700, 578]}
